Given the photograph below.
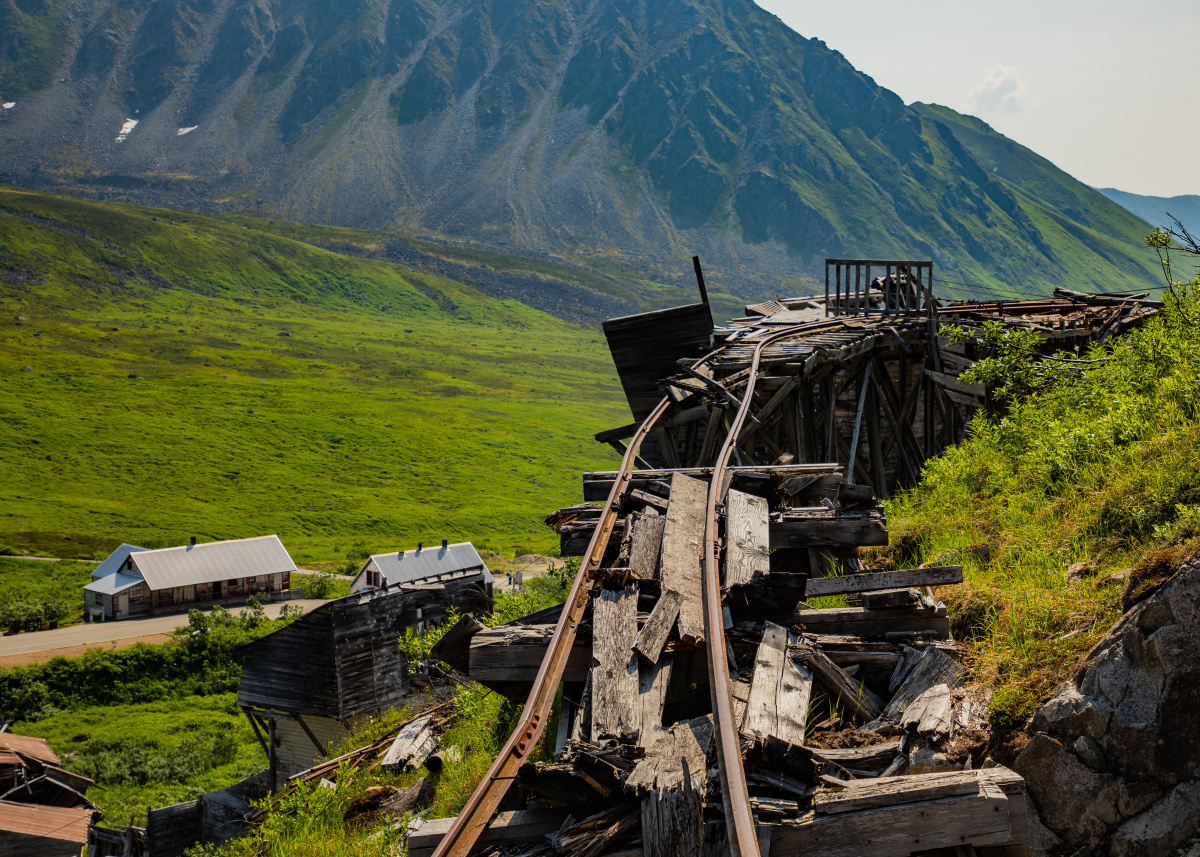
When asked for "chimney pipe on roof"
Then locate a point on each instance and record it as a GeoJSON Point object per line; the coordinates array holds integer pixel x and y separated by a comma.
{"type": "Point", "coordinates": [445, 543]}
{"type": "Point", "coordinates": [193, 541]}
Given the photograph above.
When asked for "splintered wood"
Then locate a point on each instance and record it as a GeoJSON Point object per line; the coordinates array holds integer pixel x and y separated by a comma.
{"type": "Point", "coordinates": [747, 548]}
{"type": "Point", "coordinates": [779, 695]}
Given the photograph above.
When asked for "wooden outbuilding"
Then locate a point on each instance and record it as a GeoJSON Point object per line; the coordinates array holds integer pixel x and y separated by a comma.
{"type": "Point", "coordinates": [458, 561]}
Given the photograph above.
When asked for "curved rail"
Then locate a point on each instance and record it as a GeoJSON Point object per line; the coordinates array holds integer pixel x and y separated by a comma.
{"type": "Point", "coordinates": [470, 823]}
{"type": "Point", "coordinates": [739, 820]}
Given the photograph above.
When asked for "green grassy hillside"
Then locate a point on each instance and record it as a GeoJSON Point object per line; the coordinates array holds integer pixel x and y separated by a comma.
{"type": "Point", "coordinates": [165, 375]}
{"type": "Point", "coordinates": [1098, 474]}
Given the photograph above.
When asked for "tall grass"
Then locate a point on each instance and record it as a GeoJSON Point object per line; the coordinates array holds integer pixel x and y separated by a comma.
{"type": "Point", "coordinates": [1102, 466]}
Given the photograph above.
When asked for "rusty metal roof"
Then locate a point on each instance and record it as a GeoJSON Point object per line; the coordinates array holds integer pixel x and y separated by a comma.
{"type": "Point", "coordinates": [28, 746]}
{"type": "Point", "coordinates": [210, 562]}
{"type": "Point", "coordinates": [67, 824]}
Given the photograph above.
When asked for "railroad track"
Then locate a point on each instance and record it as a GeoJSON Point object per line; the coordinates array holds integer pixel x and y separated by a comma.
{"type": "Point", "coordinates": [740, 826]}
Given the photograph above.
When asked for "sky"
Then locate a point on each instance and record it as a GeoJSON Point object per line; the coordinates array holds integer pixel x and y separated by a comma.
{"type": "Point", "coordinates": [1108, 91]}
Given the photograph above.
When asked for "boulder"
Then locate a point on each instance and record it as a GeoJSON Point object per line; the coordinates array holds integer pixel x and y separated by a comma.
{"type": "Point", "coordinates": [1112, 758]}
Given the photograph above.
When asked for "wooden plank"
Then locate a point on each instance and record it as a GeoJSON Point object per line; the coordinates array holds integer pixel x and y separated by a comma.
{"type": "Point", "coordinates": [598, 484]}
{"type": "Point", "coordinates": [615, 708]}
{"type": "Point", "coordinates": [931, 713]}
{"type": "Point", "coordinates": [747, 543]}
{"type": "Point", "coordinates": [411, 747]}
{"type": "Point", "coordinates": [857, 697]}
{"type": "Point", "coordinates": [896, 831]}
{"type": "Point", "coordinates": [653, 636]}
{"type": "Point", "coordinates": [874, 758]}
{"type": "Point", "coordinates": [681, 551]}
{"type": "Point", "coordinates": [646, 545]}
{"type": "Point", "coordinates": [894, 791]}
{"type": "Point", "coordinates": [779, 692]}
{"type": "Point", "coordinates": [662, 766]}
{"type": "Point", "coordinates": [933, 668]}
{"type": "Point", "coordinates": [653, 680]}
{"type": "Point", "coordinates": [798, 529]}
{"type": "Point", "coordinates": [842, 584]}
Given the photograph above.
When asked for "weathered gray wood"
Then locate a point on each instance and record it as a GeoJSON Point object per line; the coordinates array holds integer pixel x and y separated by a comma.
{"type": "Point", "coordinates": [681, 551]}
{"type": "Point", "coordinates": [843, 584]}
{"type": "Point", "coordinates": [662, 766]}
{"type": "Point", "coordinates": [857, 697]}
{"type": "Point", "coordinates": [873, 623]}
{"type": "Point", "coordinates": [874, 758]}
{"type": "Point", "coordinates": [907, 660]}
{"type": "Point", "coordinates": [652, 693]}
{"type": "Point", "coordinates": [894, 791]}
{"type": "Point", "coordinates": [780, 691]}
{"type": "Point", "coordinates": [646, 544]}
{"type": "Point", "coordinates": [933, 668]}
{"type": "Point", "coordinates": [889, 599]}
{"type": "Point", "coordinates": [598, 484]}
{"type": "Point", "coordinates": [454, 647]}
{"type": "Point", "coordinates": [596, 835]}
{"type": "Point", "coordinates": [411, 747]}
{"type": "Point", "coordinates": [615, 707]}
{"type": "Point", "coordinates": [897, 831]}
{"type": "Point", "coordinates": [931, 713]}
{"type": "Point", "coordinates": [747, 545]}
{"type": "Point", "coordinates": [653, 636]}
{"type": "Point", "coordinates": [673, 820]}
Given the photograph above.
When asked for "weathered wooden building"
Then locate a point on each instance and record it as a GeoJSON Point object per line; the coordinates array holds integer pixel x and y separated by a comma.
{"type": "Point", "coordinates": [459, 561]}
{"type": "Point", "coordinates": [198, 574]}
{"type": "Point", "coordinates": [30, 830]}
{"type": "Point", "coordinates": [305, 686]}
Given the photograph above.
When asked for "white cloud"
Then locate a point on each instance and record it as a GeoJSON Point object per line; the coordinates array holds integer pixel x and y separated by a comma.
{"type": "Point", "coordinates": [1001, 93]}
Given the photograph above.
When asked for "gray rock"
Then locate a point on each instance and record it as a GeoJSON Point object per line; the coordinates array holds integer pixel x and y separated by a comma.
{"type": "Point", "coordinates": [1065, 791]}
{"type": "Point", "coordinates": [1163, 827]}
{"type": "Point", "coordinates": [1089, 752]}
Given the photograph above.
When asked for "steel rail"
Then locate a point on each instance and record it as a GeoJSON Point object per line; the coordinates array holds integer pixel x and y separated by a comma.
{"type": "Point", "coordinates": [477, 813]}
{"type": "Point", "coordinates": [739, 820]}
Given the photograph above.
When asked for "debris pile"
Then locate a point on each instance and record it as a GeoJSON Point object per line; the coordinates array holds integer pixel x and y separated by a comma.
{"type": "Point", "coordinates": [856, 734]}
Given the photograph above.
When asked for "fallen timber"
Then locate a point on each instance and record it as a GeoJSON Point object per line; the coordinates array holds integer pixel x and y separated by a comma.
{"type": "Point", "coordinates": [761, 466]}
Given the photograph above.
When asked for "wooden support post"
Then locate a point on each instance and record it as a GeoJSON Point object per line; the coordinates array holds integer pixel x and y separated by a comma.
{"type": "Point", "coordinates": [311, 737]}
{"type": "Point", "coordinates": [257, 733]}
{"type": "Point", "coordinates": [862, 401]}
{"type": "Point", "coordinates": [875, 440]}
{"type": "Point", "coordinates": [715, 422]}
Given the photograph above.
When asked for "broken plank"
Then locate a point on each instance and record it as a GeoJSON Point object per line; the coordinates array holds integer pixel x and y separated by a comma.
{"type": "Point", "coordinates": [780, 691]}
{"type": "Point", "coordinates": [872, 623]}
{"type": "Point", "coordinates": [662, 766]}
{"type": "Point", "coordinates": [857, 698]}
{"type": "Point", "coordinates": [747, 547]}
{"type": "Point", "coordinates": [874, 758]}
{"type": "Point", "coordinates": [933, 668]}
{"type": "Point", "coordinates": [931, 713]}
{"type": "Point", "coordinates": [681, 549]}
{"type": "Point", "coordinates": [615, 707]}
{"type": "Point", "coordinates": [653, 636]}
{"type": "Point", "coordinates": [894, 791]}
{"type": "Point", "coordinates": [673, 819]}
{"type": "Point", "coordinates": [411, 747]}
{"type": "Point", "coordinates": [843, 584]}
{"type": "Point", "coordinates": [896, 831]}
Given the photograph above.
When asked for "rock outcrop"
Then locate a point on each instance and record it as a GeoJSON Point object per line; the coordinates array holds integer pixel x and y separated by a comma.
{"type": "Point", "coordinates": [1111, 764]}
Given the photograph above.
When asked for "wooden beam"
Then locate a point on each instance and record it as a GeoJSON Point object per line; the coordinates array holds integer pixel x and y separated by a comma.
{"type": "Point", "coordinates": [858, 415]}
{"type": "Point", "coordinates": [257, 733]}
{"type": "Point", "coordinates": [858, 699]}
{"type": "Point", "coordinates": [321, 748]}
{"type": "Point", "coordinates": [681, 551]}
{"type": "Point", "coordinates": [872, 581]}
{"type": "Point", "coordinates": [747, 538]}
{"type": "Point", "coordinates": [653, 636]}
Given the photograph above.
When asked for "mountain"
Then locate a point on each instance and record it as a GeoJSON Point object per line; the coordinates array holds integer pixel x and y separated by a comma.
{"type": "Point", "coordinates": [619, 135]}
{"type": "Point", "coordinates": [165, 374]}
{"type": "Point", "coordinates": [1158, 210]}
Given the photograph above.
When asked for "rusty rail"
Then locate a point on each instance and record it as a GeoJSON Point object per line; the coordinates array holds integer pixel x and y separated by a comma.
{"type": "Point", "coordinates": [465, 830]}
{"type": "Point", "coordinates": [739, 820]}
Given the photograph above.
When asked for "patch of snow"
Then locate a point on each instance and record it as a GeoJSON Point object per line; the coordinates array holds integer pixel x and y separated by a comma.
{"type": "Point", "coordinates": [126, 129]}
{"type": "Point", "coordinates": [9, 105]}
{"type": "Point", "coordinates": [183, 131]}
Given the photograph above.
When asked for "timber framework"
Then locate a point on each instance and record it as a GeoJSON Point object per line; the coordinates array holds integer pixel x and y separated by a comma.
{"type": "Point", "coordinates": [708, 705]}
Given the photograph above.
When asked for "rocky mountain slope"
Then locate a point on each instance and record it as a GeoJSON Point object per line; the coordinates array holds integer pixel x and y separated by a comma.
{"type": "Point", "coordinates": [620, 134]}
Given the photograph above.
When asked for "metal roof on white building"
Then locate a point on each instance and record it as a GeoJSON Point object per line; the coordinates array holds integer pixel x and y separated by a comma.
{"type": "Point", "coordinates": [210, 562]}
{"type": "Point", "coordinates": [426, 563]}
{"type": "Point", "coordinates": [113, 584]}
{"type": "Point", "coordinates": [113, 562]}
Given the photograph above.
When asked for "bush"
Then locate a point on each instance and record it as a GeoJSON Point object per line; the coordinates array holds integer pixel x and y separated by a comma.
{"type": "Point", "coordinates": [123, 761]}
